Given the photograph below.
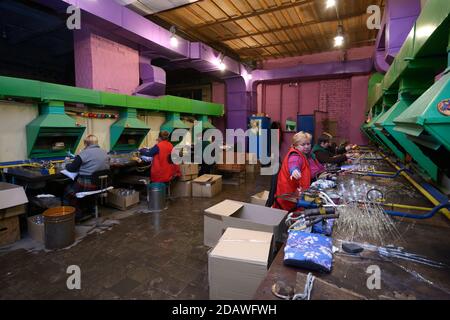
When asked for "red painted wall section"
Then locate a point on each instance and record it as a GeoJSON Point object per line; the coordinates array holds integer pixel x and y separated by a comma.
{"type": "Point", "coordinates": [359, 93]}
{"type": "Point", "coordinates": [218, 96]}
{"type": "Point", "coordinates": [309, 97]}
{"type": "Point", "coordinates": [105, 65]}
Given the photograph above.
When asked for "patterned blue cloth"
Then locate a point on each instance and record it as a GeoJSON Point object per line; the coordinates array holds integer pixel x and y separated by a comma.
{"type": "Point", "coordinates": [308, 250]}
{"type": "Point", "coordinates": [325, 227]}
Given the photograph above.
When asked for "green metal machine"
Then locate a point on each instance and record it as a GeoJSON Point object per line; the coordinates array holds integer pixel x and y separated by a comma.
{"type": "Point", "coordinates": [418, 124]}
{"type": "Point", "coordinates": [127, 133]}
{"type": "Point", "coordinates": [52, 133]}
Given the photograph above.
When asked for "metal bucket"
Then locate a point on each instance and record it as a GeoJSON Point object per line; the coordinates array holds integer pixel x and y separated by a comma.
{"type": "Point", "coordinates": [59, 227]}
{"type": "Point", "coordinates": [156, 197]}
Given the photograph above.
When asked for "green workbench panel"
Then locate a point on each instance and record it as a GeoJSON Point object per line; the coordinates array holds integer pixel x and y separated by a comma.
{"type": "Point", "coordinates": [51, 91]}
{"type": "Point", "coordinates": [113, 99]}
{"type": "Point", "coordinates": [143, 103]}
{"type": "Point", "coordinates": [14, 87]}
{"type": "Point", "coordinates": [184, 105]}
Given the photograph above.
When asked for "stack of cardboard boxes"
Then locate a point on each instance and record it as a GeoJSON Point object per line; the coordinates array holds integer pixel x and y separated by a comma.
{"type": "Point", "coordinates": [191, 185]}
{"type": "Point", "coordinates": [183, 187]}
{"type": "Point", "coordinates": [243, 237]}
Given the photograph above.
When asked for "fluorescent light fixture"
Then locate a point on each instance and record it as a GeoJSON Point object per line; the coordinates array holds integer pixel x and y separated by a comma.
{"type": "Point", "coordinates": [174, 41]}
{"type": "Point", "coordinates": [331, 3]}
{"type": "Point", "coordinates": [173, 38]}
{"type": "Point", "coordinates": [222, 66]}
{"type": "Point", "coordinates": [338, 41]}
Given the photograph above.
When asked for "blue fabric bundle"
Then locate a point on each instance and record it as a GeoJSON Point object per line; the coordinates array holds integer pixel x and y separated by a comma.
{"type": "Point", "coordinates": [324, 227]}
{"type": "Point", "coordinates": [308, 250]}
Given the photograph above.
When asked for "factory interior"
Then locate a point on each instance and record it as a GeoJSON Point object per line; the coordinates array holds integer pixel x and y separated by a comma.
{"type": "Point", "coordinates": [262, 150]}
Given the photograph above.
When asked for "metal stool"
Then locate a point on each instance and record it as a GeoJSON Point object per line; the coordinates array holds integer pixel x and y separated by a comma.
{"type": "Point", "coordinates": [100, 194]}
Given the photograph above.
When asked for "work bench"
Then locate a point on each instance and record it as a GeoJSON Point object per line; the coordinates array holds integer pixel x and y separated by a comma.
{"type": "Point", "coordinates": [400, 279]}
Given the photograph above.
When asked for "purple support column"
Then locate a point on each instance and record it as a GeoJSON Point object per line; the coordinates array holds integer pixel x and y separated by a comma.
{"type": "Point", "coordinates": [238, 103]}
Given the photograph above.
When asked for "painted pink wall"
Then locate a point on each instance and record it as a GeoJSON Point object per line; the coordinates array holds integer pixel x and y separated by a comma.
{"type": "Point", "coordinates": [343, 99]}
{"type": "Point", "coordinates": [218, 96]}
{"type": "Point", "coordinates": [359, 101]}
{"type": "Point", "coordinates": [338, 55]}
{"type": "Point", "coordinates": [105, 65]}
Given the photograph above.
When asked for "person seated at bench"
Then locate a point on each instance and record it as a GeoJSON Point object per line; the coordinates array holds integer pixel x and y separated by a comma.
{"type": "Point", "coordinates": [323, 153]}
{"type": "Point", "coordinates": [163, 169]}
{"type": "Point", "coordinates": [90, 160]}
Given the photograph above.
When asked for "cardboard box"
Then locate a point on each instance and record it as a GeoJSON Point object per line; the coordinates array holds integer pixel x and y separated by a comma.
{"type": "Point", "coordinates": [188, 171]}
{"type": "Point", "coordinates": [238, 264]}
{"type": "Point", "coordinates": [36, 230]}
{"type": "Point", "coordinates": [207, 186]}
{"type": "Point", "coordinates": [181, 189]}
{"type": "Point", "coordinates": [229, 213]}
{"type": "Point", "coordinates": [9, 230]}
{"type": "Point", "coordinates": [116, 200]}
{"type": "Point", "coordinates": [260, 198]}
{"type": "Point", "coordinates": [12, 200]}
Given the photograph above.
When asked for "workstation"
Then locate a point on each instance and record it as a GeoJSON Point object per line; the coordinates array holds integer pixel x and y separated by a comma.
{"type": "Point", "coordinates": [174, 157]}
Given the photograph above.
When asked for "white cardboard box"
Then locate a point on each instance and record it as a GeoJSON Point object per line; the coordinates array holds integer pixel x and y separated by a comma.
{"type": "Point", "coordinates": [12, 200]}
{"type": "Point", "coordinates": [238, 264]}
{"type": "Point", "coordinates": [207, 186]}
{"type": "Point", "coordinates": [229, 213]}
{"type": "Point", "coordinates": [260, 198]}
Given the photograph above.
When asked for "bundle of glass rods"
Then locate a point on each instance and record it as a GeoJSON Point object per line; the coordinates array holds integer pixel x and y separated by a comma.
{"type": "Point", "coordinates": [365, 222]}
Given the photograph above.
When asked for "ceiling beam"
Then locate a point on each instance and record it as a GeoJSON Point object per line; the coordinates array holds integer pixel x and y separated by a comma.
{"type": "Point", "coordinates": [253, 56]}
{"type": "Point", "coordinates": [294, 26]}
{"type": "Point", "coordinates": [325, 37]}
{"type": "Point", "coordinates": [252, 14]}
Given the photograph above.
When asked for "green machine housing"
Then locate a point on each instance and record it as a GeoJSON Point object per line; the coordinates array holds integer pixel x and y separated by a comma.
{"type": "Point", "coordinates": [53, 133]}
{"type": "Point", "coordinates": [127, 133]}
{"type": "Point", "coordinates": [418, 124]}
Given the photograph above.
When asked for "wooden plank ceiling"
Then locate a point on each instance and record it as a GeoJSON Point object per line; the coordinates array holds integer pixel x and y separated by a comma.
{"type": "Point", "coordinates": [255, 30]}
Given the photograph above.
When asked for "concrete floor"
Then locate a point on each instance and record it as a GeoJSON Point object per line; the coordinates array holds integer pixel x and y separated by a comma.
{"type": "Point", "coordinates": [145, 256]}
{"type": "Point", "coordinates": [161, 256]}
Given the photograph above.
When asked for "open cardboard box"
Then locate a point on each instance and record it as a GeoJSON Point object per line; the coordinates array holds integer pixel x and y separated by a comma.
{"type": "Point", "coordinates": [238, 264]}
{"type": "Point", "coordinates": [207, 186]}
{"type": "Point", "coordinates": [260, 198]}
{"type": "Point", "coordinates": [229, 213]}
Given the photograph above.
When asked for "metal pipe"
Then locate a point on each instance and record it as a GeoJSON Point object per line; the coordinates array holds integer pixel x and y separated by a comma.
{"type": "Point", "coordinates": [418, 187]}
{"type": "Point", "coordinates": [418, 216]}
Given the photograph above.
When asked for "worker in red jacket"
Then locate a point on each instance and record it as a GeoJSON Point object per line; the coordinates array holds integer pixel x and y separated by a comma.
{"type": "Point", "coordinates": [295, 174]}
{"type": "Point", "coordinates": [163, 169]}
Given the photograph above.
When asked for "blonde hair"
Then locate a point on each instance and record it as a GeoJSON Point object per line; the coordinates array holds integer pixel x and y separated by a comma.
{"type": "Point", "coordinates": [300, 137]}
{"type": "Point", "coordinates": [90, 140]}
